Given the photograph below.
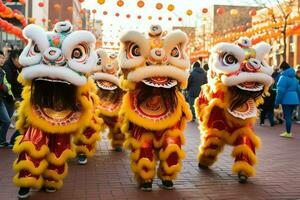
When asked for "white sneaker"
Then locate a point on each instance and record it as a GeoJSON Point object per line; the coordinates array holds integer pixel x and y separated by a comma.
{"type": "Point", "coordinates": [12, 126]}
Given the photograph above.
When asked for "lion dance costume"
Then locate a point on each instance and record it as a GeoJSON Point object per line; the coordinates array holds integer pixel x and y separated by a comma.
{"type": "Point", "coordinates": [105, 75]}
{"type": "Point", "coordinates": [227, 106]}
{"type": "Point", "coordinates": [154, 111]}
{"type": "Point", "coordinates": [56, 104]}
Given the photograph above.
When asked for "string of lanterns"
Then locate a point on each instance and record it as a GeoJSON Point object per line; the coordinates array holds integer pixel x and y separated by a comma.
{"type": "Point", "coordinates": [11, 29]}
{"type": "Point", "coordinates": [6, 12]}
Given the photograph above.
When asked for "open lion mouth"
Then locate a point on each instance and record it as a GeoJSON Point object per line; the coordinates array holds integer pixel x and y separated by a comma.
{"type": "Point", "coordinates": [106, 85]}
{"type": "Point", "coordinates": [53, 80]}
{"type": "Point", "coordinates": [242, 97]}
{"type": "Point", "coordinates": [251, 86]}
{"type": "Point", "coordinates": [160, 82]}
{"type": "Point", "coordinates": [54, 94]}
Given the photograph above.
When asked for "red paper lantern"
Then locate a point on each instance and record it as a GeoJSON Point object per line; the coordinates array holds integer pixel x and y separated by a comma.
{"type": "Point", "coordinates": [117, 14]}
{"type": "Point", "coordinates": [180, 19]}
{"type": "Point", "coordinates": [81, 1]}
{"type": "Point", "coordinates": [120, 3]}
{"type": "Point", "coordinates": [140, 4]}
{"type": "Point", "coordinates": [82, 11]}
{"type": "Point", "coordinates": [57, 7]}
{"type": "Point", "coordinates": [159, 6]}
{"type": "Point", "coordinates": [159, 18]}
{"type": "Point", "coordinates": [170, 18]}
{"type": "Point", "coordinates": [41, 4]}
{"type": "Point", "coordinates": [139, 17]}
{"type": "Point", "coordinates": [94, 11]}
{"type": "Point", "coordinates": [43, 20]}
{"type": "Point", "coordinates": [104, 12]}
{"type": "Point", "coordinates": [128, 15]}
{"type": "Point", "coordinates": [70, 9]}
{"type": "Point", "coordinates": [204, 10]}
{"type": "Point", "coordinates": [220, 11]}
{"type": "Point", "coordinates": [252, 12]}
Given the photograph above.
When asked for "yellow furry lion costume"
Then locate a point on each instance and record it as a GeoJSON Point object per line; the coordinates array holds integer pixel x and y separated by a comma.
{"type": "Point", "coordinates": [154, 111]}
{"type": "Point", "coordinates": [57, 104]}
{"type": "Point", "coordinates": [105, 76]}
{"type": "Point", "coordinates": [237, 80]}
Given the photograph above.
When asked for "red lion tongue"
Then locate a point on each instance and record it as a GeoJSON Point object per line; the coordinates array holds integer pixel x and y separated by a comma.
{"type": "Point", "coordinates": [159, 79]}
{"type": "Point", "coordinates": [249, 84]}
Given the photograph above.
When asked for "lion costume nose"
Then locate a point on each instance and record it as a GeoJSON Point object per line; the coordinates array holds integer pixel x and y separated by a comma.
{"type": "Point", "coordinates": [53, 54]}
{"type": "Point", "coordinates": [158, 55]}
{"type": "Point", "coordinates": [253, 65]}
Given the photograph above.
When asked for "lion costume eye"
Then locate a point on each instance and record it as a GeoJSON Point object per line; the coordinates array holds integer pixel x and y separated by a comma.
{"type": "Point", "coordinates": [34, 50]}
{"type": "Point", "coordinates": [175, 52]}
{"type": "Point", "coordinates": [229, 59]}
{"type": "Point", "coordinates": [99, 61]}
{"type": "Point", "coordinates": [134, 50]}
{"type": "Point", "coordinates": [80, 53]}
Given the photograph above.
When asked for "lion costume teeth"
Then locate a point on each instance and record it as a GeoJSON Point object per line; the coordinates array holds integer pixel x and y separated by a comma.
{"type": "Point", "coordinates": [237, 80]}
{"type": "Point", "coordinates": [154, 111]}
{"type": "Point", "coordinates": [105, 75]}
{"type": "Point", "coordinates": [57, 103]}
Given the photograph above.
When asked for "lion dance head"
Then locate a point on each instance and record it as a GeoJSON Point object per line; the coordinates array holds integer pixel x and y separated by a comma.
{"type": "Point", "coordinates": [241, 69]}
{"type": "Point", "coordinates": [55, 64]}
{"type": "Point", "coordinates": [159, 61]}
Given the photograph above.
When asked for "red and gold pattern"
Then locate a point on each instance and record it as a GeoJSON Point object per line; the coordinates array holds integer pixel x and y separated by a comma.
{"type": "Point", "coordinates": [105, 76]}
{"type": "Point", "coordinates": [46, 141]}
{"type": "Point", "coordinates": [218, 127]}
{"type": "Point", "coordinates": [154, 111]}
{"type": "Point", "coordinates": [109, 112]}
{"type": "Point", "coordinates": [86, 139]}
{"type": "Point", "coordinates": [238, 79]}
{"type": "Point", "coordinates": [154, 133]}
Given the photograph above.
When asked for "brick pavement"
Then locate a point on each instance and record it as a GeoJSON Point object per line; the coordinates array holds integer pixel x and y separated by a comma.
{"type": "Point", "coordinates": [108, 176]}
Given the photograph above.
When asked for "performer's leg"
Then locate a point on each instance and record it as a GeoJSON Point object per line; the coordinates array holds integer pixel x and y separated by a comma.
{"type": "Point", "coordinates": [31, 163]}
{"type": "Point", "coordinates": [86, 144]}
{"type": "Point", "coordinates": [143, 161]}
{"type": "Point", "coordinates": [170, 156]}
{"type": "Point", "coordinates": [245, 158]}
{"type": "Point", "coordinates": [60, 152]}
{"type": "Point", "coordinates": [211, 145]}
{"type": "Point", "coordinates": [54, 175]}
{"type": "Point", "coordinates": [117, 138]}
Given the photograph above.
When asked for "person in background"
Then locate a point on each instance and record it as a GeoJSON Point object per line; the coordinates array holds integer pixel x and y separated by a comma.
{"type": "Point", "coordinates": [276, 75]}
{"type": "Point", "coordinates": [288, 95]}
{"type": "Point", "coordinates": [4, 116]}
{"type": "Point", "coordinates": [205, 67]}
{"type": "Point", "coordinates": [267, 108]}
{"type": "Point", "coordinates": [12, 69]}
{"type": "Point", "coordinates": [298, 107]}
{"type": "Point", "coordinates": [196, 79]}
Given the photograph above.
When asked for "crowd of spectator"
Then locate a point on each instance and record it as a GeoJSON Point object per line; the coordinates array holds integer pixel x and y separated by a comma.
{"type": "Point", "coordinates": [10, 91]}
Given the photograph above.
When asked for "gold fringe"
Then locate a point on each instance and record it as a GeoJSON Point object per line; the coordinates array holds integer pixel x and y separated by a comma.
{"type": "Point", "coordinates": [54, 175]}
{"type": "Point", "coordinates": [67, 154]}
{"type": "Point", "coordinates": [244, 150]}
{"type": "Point", "coordinates": [144, 163]}
{"type": "Point", "coordinates": [29, 182]}
{"type": "Point", "coordinates": [28, 147]}
{"type": "Point", "coordinates": [83, 149]}
{"type": "Point", "coordinates": [29, 166]}
{"type": "Point", "coordinates": [53, 184]}
{"type": "Point", "coordinates": [243, 166]}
